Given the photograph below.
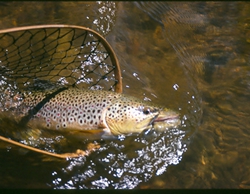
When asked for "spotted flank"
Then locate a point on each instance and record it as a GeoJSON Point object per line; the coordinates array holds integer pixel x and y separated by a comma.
{"type": "Point", "coordinates": [85, 110]}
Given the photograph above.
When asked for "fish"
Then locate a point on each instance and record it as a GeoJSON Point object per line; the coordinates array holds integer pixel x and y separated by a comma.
{"type": "Point", "coordinates": [79, 109]}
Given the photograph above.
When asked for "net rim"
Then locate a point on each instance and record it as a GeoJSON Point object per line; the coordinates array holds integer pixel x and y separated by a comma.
{"type": "Point", "coordinates": [113, 57]}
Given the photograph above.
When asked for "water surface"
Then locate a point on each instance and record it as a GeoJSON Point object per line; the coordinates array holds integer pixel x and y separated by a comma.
{"type": "Point", "coordinates": [192, 57]}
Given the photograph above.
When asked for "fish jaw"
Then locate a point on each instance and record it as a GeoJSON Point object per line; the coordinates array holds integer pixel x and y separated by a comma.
{"type": "Point", "coordinates": [166, 119]}
{"type": "Point", "coordinates": [128, 126]}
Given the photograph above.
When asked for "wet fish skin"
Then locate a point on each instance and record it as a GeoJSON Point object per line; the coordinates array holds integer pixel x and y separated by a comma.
{"type": "Point", "coordinates": [89, 110]}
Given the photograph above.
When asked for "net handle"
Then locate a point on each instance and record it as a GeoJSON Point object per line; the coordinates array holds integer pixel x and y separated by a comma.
{"type": "Point", "coordinates": [79, 153]}
{"type": "Point", "coordinates": [114, 60]}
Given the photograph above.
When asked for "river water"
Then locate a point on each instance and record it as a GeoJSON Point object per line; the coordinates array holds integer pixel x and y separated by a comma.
{"type": "Point", "coordinates": [192, 57]}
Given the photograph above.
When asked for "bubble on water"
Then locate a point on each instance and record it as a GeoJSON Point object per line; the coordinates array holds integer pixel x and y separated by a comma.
{"type": "Point", "coordinates": [176, 86]}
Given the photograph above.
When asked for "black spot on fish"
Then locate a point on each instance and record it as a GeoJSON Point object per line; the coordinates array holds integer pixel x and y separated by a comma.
{"type": "Point", "coordinates": [57, 126]}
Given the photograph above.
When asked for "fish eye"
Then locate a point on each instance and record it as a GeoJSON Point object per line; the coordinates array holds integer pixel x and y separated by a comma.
{"type": "Point", "coordinates": [146, 110]}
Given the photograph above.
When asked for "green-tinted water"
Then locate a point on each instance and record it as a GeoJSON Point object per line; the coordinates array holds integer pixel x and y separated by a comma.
{"type": "Point", "coordinates": [192, 57]}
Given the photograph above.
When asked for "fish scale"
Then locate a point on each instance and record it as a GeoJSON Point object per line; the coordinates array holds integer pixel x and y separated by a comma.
{"type": "Point", "coordinates": [71, 108]}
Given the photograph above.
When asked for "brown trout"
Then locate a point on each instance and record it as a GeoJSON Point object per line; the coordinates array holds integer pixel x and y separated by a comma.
{"type": "Point", "coordinates": [71, 108]}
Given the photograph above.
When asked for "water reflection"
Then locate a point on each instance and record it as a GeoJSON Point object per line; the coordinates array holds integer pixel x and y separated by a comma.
{"type": "Point", "coordinates": [171, 53]}
{"type": "Point", "coordinates": [124, 163]}
{"type": "Point", "coordinates": [202, 33]}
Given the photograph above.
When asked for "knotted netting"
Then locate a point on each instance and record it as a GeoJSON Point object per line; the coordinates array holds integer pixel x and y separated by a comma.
{"type": "Point", "coordinates": [47, 56]}
{"type": "Point", "coordinates": [53, 57]}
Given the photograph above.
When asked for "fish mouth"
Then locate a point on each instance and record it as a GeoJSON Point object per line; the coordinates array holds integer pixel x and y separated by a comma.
{"type": "Point", "coordinates": [168, 117]}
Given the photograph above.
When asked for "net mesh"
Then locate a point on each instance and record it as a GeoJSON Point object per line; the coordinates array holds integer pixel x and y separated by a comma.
{"type": "Point", "coordinates": [55, 55]}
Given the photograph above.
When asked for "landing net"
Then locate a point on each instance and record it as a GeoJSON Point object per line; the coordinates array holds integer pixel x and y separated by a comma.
{"type": "Point", "coordinates": [47, 56]}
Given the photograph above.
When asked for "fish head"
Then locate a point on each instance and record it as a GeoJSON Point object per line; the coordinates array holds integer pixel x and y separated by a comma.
{"type": "Point", "coordinates": [166, 119]}
{"type": "Point", "coordinates": [131, 115]}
